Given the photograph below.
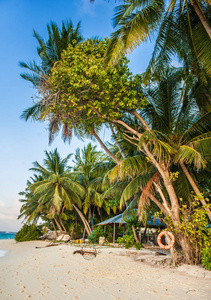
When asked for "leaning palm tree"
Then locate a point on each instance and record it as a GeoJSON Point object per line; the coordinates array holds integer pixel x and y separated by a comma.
{"type": "Point", "coordinates": [177, 138]}
{"type": "Point", "coordinates": [56, 191]}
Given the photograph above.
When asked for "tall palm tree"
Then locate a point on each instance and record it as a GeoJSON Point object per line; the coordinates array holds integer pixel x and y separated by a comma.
{"type": "Point", "coordinates": [50, 51]}
{"type": "Point", "coordinates": [176, 139]}
{"type": "Point", "coordinates": [90, 167]}
{"type": "Point", "coordinates": [136, 20]}
{"type": "Point", "coordinates": [56, 191]}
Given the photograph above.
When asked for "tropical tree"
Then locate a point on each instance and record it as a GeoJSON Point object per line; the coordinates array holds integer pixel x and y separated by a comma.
{"type": "Point", "coordinates": [56, 191]}
{"type": "Point", "coordinates": [90, 167]}
{"type": "Point", "coordinates": [50, 51]}
{"type": "Point", "coordinates": [137, 20]}
{"type": "Point", "coordinates": [155, 145]}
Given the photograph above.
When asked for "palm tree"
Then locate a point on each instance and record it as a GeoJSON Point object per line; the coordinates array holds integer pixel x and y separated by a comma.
{"type": "Point", "coordinates": [50, 51]}
{"type": "Point", "coordinates": [90, 167]}
{"type": "Point", "coordinates": [137, 20]}
{"type": "Point", "coordinates": [56, 191]}
{"type": "Point", "coordinates": [176, 139]}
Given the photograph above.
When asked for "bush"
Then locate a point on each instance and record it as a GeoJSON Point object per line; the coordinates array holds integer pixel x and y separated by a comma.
{"type": "Point", "coordinates": [128, 240]}
{"type": "Point", "coordinates": [28, 233]}
{"type": "Point", "coordinates": [97, 232]}
{"type": "Point", "coordinates": [206, 258]}
{"type": "Point", "coordinates": [138, 246]}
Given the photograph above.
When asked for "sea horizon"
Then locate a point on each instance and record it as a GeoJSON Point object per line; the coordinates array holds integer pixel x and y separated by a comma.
{"type": "Point", "coordinates": [5, 235]}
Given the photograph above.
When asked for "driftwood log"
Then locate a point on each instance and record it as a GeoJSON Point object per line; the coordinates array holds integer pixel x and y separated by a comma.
{"type": "Point", "coordinates": [50, 245]}
{"type": "Point", "coordinates": [85, 252]}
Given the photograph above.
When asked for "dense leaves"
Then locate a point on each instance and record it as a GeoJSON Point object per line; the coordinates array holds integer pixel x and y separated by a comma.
{"type": "Point", "coordinates": [82, 89]}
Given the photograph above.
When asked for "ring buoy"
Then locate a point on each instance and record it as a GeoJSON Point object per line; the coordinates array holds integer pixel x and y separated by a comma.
{"type": "Point", "coordinates": [172, 240]}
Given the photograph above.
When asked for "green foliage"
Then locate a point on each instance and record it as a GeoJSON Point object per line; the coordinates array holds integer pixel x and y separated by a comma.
{"type": "Point", "coordinates": [127, 240]}
{"type": "Point", "coordinates": [194, 225]}
{"type": "Point", "coordinates": [28, 233]}
{"type": "Point", "coordinates": [85, 91]}
{"type": "Point", "coordinates": [138, 246]}
{"type": "Point", "coordinates": [97, 232]}
{"type": "Point", "coordinates": [206, 258]}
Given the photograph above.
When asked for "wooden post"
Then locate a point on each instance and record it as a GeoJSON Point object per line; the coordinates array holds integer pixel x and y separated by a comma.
{"type": "Point", "coordinates": [114, 234]}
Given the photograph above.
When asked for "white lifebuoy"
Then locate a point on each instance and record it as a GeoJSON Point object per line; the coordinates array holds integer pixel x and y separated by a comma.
{"type": "Point", "coordinates": [171, 243]}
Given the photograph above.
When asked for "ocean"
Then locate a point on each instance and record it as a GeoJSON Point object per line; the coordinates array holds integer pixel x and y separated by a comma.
{"type": "Point", "coordinates": [4, 235]}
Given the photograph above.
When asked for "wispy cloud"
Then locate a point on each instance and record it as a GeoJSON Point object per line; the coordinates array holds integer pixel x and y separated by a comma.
{"type": "Point", "coordinates": [86, 7]}
{"type": "Point", "coordinates": [8, 216]}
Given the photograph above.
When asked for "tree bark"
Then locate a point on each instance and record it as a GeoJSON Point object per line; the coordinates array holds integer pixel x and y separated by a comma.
{"type": "Point", "coordinates": [86, 224]}
{"type": "Point", "coordinates": [195, 188]}
{"type": "Point", "coordinates": [60, 219]}
{"type": "Point", "coordinates": [201, 17]}
{"type": "Point", "coordinates": [117, 143]}
{"type": "Point", "coordinates": [58, 225]}
{"type": "Point", "coordinates": [105, 148]}
{"type": "Point", "coordinates": [145, 125]}
{"type": "Point", "coordinates": [165, 203]}
{"type": "Point", "coordinates": [135, 235]}
{"type": "Point", "coordinates": [54, 228]}
{"type": "Point", "coordinates": [160, 205]}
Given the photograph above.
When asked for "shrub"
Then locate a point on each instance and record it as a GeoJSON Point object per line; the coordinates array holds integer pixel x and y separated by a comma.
{"type": "Point", "coordinates": [138, 246]}
{"type": "Point", "coordinates": [128, 240]}
{"type": "Point", "coordinates": [194, 226]}
{"type": "Point", "coordinates": [28, 233]}
{"type": "Point", "coordinates": [97, 232]}
{"type": "Point", "coordinates": [206, 258]}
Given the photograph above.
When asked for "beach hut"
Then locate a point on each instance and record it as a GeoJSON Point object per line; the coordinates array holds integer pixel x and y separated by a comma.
{"type": "Point", "coordinates": [152, 222]}
{"type": "Point", "coordinates": [117, 220]}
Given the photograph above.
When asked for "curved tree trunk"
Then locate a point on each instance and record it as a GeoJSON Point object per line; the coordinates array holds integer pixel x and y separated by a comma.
{"type": "Point", "coordinates": [54, 227]}
{"type": "Point", "coordinates": [135, 235]}
{"type": "Point", "coordinates": [60, 219]}
{"type": "Point", "coordinates": [58, 225]}
{"type": "Point", "coordinates": [117, 143]}
{"type": "Point", "coordinates": [105, 148]}
{"type": "Point", "coordinates": [83, 219]}
{"type": "Point", "coordinates": [195, 188]}
{"type": "Point", "coordinates": [201, 17]}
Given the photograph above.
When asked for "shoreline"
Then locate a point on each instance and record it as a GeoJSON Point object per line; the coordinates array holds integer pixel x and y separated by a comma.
{"type": "Point", "coordinates": [115, 274]}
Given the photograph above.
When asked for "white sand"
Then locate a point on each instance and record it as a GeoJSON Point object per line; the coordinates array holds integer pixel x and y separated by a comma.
{"type": "Point", "coordinates": [55, 273]}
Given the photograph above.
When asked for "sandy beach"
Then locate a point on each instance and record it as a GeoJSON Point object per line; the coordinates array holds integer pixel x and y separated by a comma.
{"type": "Point", "coordinates": [115, 274]}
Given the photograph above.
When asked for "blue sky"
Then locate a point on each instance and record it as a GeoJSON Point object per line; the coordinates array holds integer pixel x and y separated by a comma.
{"type": "Point", "coordinates": [23, 143]}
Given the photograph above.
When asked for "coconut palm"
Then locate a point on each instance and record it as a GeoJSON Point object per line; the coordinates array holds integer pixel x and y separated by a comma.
{"type": "Point", "coordinates": [176, 139]}
{"type": "Point", "coordinates": [137, 20]}
{"type": "Point", "coordinates": [90, 167]}
{"type": "Point", "coordinates": [55, 192]}
{"type": "Point", "coordinates": [50, 51]}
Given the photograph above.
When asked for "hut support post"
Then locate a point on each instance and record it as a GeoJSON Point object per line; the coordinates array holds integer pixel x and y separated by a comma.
{"type": "Point", "coordinates": [114, 234]}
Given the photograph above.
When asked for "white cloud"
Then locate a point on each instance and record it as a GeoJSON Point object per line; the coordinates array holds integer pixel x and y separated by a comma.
{"type": "Point", "coordinates": [86, 7]}
{"type": "Point", "coordinates": [8, 216]}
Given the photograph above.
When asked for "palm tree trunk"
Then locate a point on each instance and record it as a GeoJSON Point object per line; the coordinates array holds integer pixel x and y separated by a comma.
{"type": "Point", "coordinates": [60, 219]}
{"type": "Point", "coordinates": [83, 219]}
{"type": "Point", "coordinates": [54, 227]}
{"type": "Point", "coordinates": [201, 17]}
{"type": "Point", "coordinates": [117, 143]}
{"type": "Point", "coordinates": [105, 148]}
{"type": "Point", "coordinates": [195, 188]}
{"type": "Point", "coordinates": [135, 235]}
{"type": "Point", "coordinates": [164, 172]}
{"type": "Point", "coordinates": [58, 225]}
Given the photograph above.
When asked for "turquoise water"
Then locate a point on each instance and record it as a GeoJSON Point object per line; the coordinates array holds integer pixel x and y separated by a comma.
{"type": "Point", "coordinates": [4, 235]}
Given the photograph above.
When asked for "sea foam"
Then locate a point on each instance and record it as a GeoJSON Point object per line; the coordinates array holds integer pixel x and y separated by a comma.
{"type": "Point", "coordinates": [2, 253]}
